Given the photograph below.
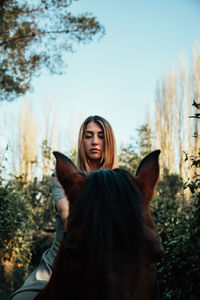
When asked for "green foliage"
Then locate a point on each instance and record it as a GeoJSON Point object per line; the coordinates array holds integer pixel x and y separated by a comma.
{"type": "Point", "coordinates": [179, 226]}
{"type": "Point", "coordinates": [144, 139]}
{"type": "Point", "coordinates": [167, 202]}
{"type": "Point", "coordinates": [16, 222]}
{"type": "Point", "coordinates": [27, 223]}
{"type": "Point", "coordinates": [128, 158]}
{"type": "Point", "coordinates": [34, 35]}
{"type": "Point", "coordinates": [179, 269]}
{"type": "Point", "coordinates": [132, 153]}
{"type": "Point", "coordinates": [169, 186]}
{"type": "Point", "coordinates": [39, 193]}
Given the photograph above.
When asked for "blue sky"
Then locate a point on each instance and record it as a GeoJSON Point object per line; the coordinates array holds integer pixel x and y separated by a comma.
{"type": "Point", "coordinates": [116, 76]}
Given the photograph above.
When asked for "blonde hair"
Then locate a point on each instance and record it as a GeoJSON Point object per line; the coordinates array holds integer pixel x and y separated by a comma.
{"type": "Point", "coordinates": [109, 157]}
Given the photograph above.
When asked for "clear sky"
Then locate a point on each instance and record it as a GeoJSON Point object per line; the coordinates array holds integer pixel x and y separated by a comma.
{"type": "Point", "coordinates": [116, 76]}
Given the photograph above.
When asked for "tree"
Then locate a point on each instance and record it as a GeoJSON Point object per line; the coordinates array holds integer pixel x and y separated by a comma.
{"type": "Point", "coordinates": [28, 142]}
{"type": "Point", "coordinates": [128, 158]}
{"type": "Point", "coordinates": [168, 201]}
{"type": "Point", "coordinates": [173, 105]}
{"type": "Point", "coordinates": [16, 222]}
{"type": "Point", "coordinates": [165, 120]}
{"type": "Point", "coordinates": [144, 139]}
{"type": "Point", "coordinates": [34, 35]}
{"type": "Point", "coordinates": [132, 153]}
{"type": "Point", "coordinates": [178, 268]}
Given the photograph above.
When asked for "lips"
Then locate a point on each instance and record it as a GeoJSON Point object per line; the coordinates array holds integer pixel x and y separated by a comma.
{"type": "Point", "coordinates": [94, 150]}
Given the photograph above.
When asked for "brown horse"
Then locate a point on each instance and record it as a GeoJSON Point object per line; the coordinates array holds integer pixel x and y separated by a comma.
{"type": "Point", "coordinates": [110, 244]}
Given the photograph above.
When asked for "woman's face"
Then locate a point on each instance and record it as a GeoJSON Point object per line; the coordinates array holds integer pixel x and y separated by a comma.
{"type": "Point", "coordinates": [93, 142]}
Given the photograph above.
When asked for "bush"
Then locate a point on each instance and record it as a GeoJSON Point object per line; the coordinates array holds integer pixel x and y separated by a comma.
{"type": "Point", "coordinates": [26, 214]}
{"type": "Point", "coordinates": [178, 223]}
{"type": "Point", "coordinates": [16, 222]}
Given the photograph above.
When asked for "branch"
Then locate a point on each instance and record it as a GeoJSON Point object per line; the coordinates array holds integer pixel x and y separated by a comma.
{"type": "Point", "coordinates": [196, 116]}
{"type": "Point", "coordinates": [36, 34]}
{"type": "Point", "coordinates": [195, 104]}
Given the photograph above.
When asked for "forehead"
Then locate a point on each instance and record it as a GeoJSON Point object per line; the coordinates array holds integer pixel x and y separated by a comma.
{"type": "Point", "coordinates": [93, 127]}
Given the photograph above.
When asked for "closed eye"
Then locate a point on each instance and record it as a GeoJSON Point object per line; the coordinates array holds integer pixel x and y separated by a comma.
{"type": "Point", "coordinates": [88, 136]}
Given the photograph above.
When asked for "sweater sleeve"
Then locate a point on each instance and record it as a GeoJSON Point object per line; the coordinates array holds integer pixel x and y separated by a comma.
{"type": "Point", "coordinates": [56, 189]}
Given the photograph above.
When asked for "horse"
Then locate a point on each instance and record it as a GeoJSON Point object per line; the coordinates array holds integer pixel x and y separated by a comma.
{"type": "Point", "coordinates": [110, 243]}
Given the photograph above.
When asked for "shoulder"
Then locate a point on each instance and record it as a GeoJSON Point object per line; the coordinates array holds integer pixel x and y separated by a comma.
{"type": "Point", "coordinates": [54, 180]}
{"type": "Point", "coordinates": [56, 188]}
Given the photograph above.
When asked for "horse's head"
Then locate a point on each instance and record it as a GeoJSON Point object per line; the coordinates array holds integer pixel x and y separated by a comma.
{"type": "Point", "coordinates": [110, 242]}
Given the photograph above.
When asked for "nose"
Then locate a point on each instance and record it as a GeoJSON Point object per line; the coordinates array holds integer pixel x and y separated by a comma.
{"type": "Point", "coordinates": [94, 140]}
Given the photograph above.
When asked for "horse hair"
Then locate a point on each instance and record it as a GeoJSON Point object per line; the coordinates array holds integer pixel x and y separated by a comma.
{"type": "Point", "coordinates": [106, 224]}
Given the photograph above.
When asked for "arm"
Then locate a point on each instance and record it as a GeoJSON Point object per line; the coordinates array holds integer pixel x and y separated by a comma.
{"type": "Point", "coordinates": [62, 207]}
{"type": "Point", "coordinates": [61, 202]}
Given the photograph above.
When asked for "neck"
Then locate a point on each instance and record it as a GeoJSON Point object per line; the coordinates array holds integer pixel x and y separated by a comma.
{"type": "Point", "coordinates": [94, 165]}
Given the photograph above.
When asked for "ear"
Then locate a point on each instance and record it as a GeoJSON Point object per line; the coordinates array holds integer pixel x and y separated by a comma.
{"type": "Point", "coordinates": [66, 172]}
{"type": "Point", "coordinates": [147, 174]}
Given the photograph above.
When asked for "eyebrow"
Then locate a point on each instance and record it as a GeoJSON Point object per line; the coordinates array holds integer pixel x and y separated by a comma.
{"type": "Point", "coordinates": [88, 131]}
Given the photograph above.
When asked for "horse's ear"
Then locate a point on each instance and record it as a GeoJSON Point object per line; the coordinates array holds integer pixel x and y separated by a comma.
{"type": "Point", "coordinates": [66, 172]}
{"type": "Point", "coordinates": [147, 174]}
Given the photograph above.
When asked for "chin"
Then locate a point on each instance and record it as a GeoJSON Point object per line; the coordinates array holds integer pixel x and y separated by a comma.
{"type": "Point", "coordinates": [94, 157]}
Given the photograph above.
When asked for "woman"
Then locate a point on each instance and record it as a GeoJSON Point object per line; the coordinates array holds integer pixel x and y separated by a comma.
{"type": "Point", "coordinates": [96, 149]}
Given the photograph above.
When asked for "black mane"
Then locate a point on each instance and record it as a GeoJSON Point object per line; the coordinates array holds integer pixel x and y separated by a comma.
{"type": "Point", "coordinates": [106, 224]}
